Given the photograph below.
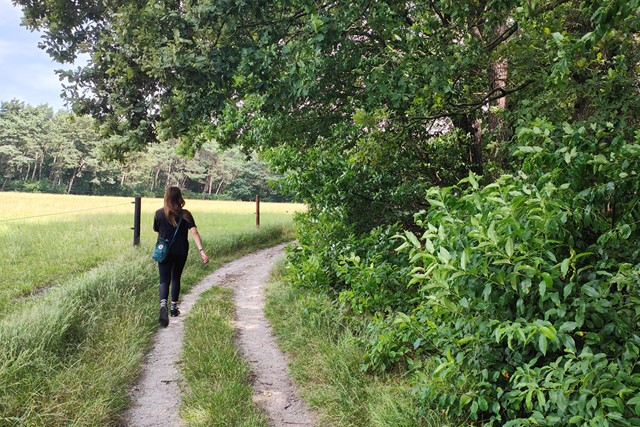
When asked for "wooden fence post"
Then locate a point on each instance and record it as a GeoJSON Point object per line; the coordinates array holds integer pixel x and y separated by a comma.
{"type": "Point", "coordinates": [257, 211]}
{"type": "Point", "coordinates": [136, 220]}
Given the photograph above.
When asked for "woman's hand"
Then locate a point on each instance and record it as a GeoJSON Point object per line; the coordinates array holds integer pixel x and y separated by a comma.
{"type": "Point", "coordinates": [198, 240]}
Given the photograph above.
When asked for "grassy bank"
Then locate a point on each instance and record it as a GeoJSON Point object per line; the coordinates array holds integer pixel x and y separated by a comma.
{"type": "Point", "coordinates": [69, 355]}
{"type": "Point", "coordinates": [325, 361]}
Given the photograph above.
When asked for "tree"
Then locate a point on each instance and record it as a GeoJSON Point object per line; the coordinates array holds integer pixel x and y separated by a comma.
{"type": "Point", "coordinates": [362, 80]}
{"type": "Point", "coordinates": [24, 134]}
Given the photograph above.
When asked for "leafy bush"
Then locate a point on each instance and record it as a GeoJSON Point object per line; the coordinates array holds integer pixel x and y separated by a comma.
{"type": "Point", "coordinates": [374, 274]}
{"type": "Point", "coordinates": [312, 261]}
{"type": "Point", "coordinates": [530, 289]}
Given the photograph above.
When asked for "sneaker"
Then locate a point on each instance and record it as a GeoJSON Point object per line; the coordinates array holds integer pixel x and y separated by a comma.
{"type": "Point", "coordinates": [163, 319]}
{"type": "Point", "coordinates": [174, 310]}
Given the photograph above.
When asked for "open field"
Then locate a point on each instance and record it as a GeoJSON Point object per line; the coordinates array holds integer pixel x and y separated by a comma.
{"type": "Point", "coordinates": [79, 302]}
{"type": "Point", "coordinates": [47, 238]}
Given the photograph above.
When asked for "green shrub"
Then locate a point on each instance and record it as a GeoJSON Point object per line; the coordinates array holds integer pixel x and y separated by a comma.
{"type": "Point", "coordinates": [374, 274]}
{"type": "Point", "coordinates": [321, 240]}
{"type": "Point", "coordinates": [531, 323]}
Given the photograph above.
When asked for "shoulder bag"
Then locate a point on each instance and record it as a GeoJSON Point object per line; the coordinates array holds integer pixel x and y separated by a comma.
{"type": "Point", "coordinates": [161, 251]}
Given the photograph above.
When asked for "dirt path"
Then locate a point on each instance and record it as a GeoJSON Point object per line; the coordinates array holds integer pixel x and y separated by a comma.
{"type": "Point", "coordinates": [156, 396]}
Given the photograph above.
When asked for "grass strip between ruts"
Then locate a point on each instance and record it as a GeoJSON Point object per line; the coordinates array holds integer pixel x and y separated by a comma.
{"type": "Point", "coordinates": [218, 392]}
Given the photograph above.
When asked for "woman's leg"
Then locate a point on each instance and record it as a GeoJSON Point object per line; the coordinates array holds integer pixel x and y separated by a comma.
{"type": "Point", "coordinates": [165, 269]}
{"type": "Point", "coordinates": [176, 275]}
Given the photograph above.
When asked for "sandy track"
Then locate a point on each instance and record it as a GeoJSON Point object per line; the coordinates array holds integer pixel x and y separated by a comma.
{"type": "Point", "coordinates": [156, 395]}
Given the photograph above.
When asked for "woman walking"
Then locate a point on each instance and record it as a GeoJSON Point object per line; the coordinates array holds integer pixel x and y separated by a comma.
{"type": "Point", "coordinates": [165, 222]}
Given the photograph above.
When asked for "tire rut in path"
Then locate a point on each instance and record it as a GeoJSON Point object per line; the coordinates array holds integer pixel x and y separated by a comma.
{"type": "Point", "coordinates": [156, 395]}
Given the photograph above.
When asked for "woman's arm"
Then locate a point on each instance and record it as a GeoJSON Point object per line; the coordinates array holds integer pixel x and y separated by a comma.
{"type": "Point", "coordinates": [198, 240]}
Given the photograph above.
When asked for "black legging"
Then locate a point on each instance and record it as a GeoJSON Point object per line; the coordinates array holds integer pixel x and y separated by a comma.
{"type": "Point", "coordinates": [170, 273]}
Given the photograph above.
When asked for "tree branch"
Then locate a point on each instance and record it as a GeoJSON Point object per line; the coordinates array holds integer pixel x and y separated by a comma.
{"type": "Point", "coordinates": [502, 37]}
{"type": "Point", "coordinates": [463, 109]}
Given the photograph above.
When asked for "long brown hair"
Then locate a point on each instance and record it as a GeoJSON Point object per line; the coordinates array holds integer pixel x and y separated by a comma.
{"type": "Point", "coordinates": [173, 204]}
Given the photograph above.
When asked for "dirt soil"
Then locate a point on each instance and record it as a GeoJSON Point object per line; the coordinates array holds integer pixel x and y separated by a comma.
{"type": "Point", "coordinates": [156, 395]}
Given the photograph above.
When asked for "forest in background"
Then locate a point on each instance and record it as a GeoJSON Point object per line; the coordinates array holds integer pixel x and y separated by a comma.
{"type": "Point", "coordinates": [60, 152]}
{"type": "Point", "coordinates": [471, 172]}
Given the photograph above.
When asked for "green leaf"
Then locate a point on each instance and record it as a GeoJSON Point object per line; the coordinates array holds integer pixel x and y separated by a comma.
{"type": "Point", "coordinates": [547, 280]}
{"type": "Point", "coordinates": [508, 247]}
{"type": "Point", "coordinates": [464, 258]}
{"type": "Point", "coordinates": [487, 291]}
{"type": "Point", "coordinates": [542, 288]}
{"type": "Point", "coordinates": [542, 344]}
{"type": "Point", "coordinates": [435, 202]}
{"type": "Point", "coordinates": [625, 231]}
{"type": "Point", "coordinates": [473, 181]}
{"type": "Point", "coordinates": [482, 404]}
{"type": "Point", "coordinates": [429, 246]}
{"type": "Point", "coordinates": [635, 401]}
{"type": "Point", "coordinates": [444, 255]}
{"type": "Point", "coordinates": [491, 232]}
{"type": "Point", "coordinates": [528, 400]}
{"type": "Point", "coordinates": [568, 327]}
{"type": "Point", "coordinates": [564, 266]}
{"type": "Point", "coordinates": [465, 399]}
{"type": "Point", "coordinates": [548, 332]}
{"type": "Point", "coordinates": [413, 239]}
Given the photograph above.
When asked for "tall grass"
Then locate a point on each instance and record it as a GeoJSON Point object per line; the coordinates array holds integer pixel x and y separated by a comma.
{"type": "Point", "coordinates": [325, 361]}
{"type": "Point", "coordinates": [69, 356]}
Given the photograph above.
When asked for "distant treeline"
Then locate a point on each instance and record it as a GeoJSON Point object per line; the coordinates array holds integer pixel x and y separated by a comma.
{"type": "Point", "coordinates": [59, 152]}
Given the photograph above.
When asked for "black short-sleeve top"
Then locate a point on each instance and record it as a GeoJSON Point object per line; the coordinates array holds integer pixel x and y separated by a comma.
{"type": "Point", "coordinates": [161, 225]}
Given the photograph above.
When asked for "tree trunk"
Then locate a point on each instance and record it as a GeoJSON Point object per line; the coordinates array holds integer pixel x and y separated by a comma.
{"type": "Point", "coordinates": [168, 182]}
{"type": "Point", "coordinates": [35, 168]}
{"type": "Point", "coordinates": [75, 173]}
{"type": "Point", "coordinates": [40, 169]}
{"type": "Point", "coordinates": [207, 186]}
{"type": "Point", "coordinates": [219, 189]}
{"type": "Point", "coordinates": [73, 177]}
{"type": "Point", "coordinates": [498, 76]}
{"type": "Point", "coordinates": [474, 141]}
{"type": "Point", "coordinates": [155, 179]}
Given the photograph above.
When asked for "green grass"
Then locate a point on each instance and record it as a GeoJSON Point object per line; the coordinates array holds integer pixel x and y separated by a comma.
{"type": "Point", "coordinates": [46, 238]}
{"type": "Point", "coordinates": [218, 390]}
{"type": "Point", "coordinates": [325, 361]}
{"type": "Point", "coordinates": [69, 356]}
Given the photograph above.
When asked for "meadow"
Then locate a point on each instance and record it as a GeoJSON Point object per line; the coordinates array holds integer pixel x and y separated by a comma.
{"type": "Point", "coordinates": [45, 239]}
{"type": "Point", "coordinates": [79, 301]}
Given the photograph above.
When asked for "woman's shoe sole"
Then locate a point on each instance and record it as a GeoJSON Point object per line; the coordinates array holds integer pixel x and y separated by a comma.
{"type": "Point", "coordinates": [164, 318]}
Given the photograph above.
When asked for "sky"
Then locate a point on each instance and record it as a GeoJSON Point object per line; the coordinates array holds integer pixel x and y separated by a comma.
{"type": "Point", "coordinates": [26, 71]}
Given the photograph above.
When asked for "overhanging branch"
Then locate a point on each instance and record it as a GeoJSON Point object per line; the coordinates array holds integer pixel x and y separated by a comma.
{"type": "Point", "coordinates": [466, 108]}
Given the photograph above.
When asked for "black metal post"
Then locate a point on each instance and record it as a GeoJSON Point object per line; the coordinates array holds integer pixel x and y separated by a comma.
{"type": "Point", "coordinates": [257, 211]}
{"type": "Point", "coordinates": [136, 221]}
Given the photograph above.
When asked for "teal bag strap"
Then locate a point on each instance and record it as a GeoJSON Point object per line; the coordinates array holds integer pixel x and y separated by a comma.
{"type": "Point", "coordinates": [176, 232]}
